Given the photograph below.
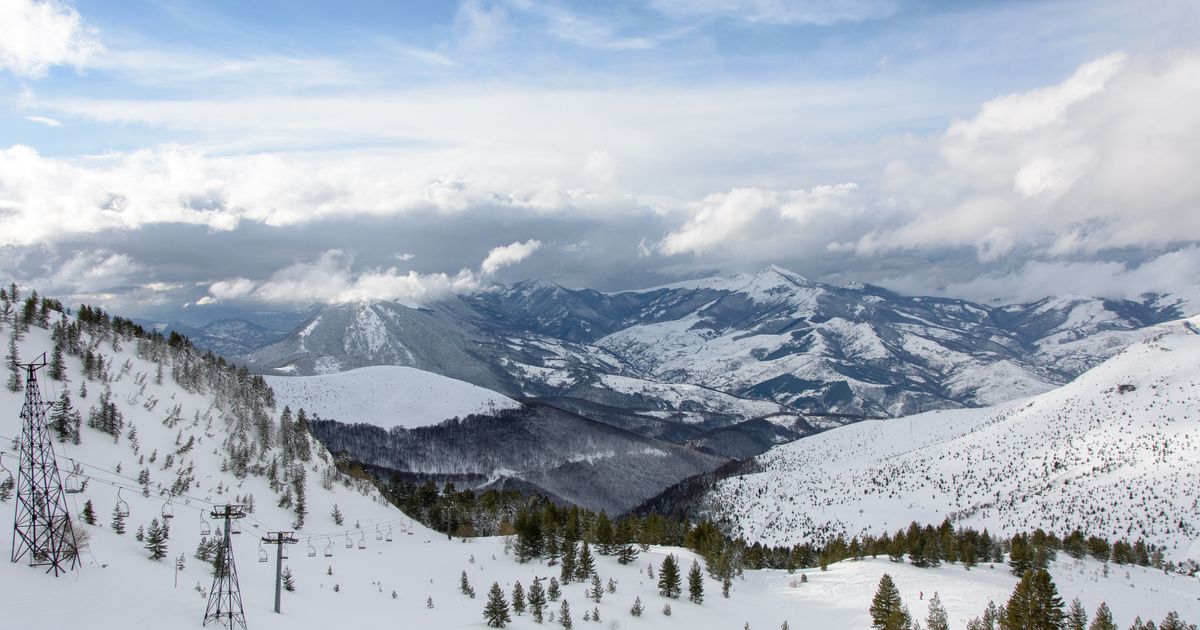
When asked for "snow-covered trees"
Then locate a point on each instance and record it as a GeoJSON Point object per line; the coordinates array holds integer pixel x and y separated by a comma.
{"type": "Point", "coordinates": [496, 609]}
{"type": "Point", "coordinates": [156, 540]}
{"type": "Point", "coordinates": [936, 619]}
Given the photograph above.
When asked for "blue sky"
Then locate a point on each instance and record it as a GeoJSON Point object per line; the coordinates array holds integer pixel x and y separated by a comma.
{"type": "Point", "coordinates": [161, 154]}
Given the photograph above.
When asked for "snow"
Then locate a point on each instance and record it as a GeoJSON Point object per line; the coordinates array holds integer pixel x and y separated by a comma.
{"type": "Point", "coordinates": [118, 587]}
{"type": "Point", "coordinates": [1111, 460]}
{"type": "Point", "coordinates": [386, 396]}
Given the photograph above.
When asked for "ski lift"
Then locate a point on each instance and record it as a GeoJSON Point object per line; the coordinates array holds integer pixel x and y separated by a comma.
{"type": "Point", "coordinates": [262, 553]}
{"type": "Point", "coordinates": [283, 552]}
{"type": "Point", "coordinates": [378, 534]}
{"type": "Point", "coordinates": [168, 510]}
{"type": "Point", "coordinates": [408, 528]}
{"type": "Point", "coordinates": [205, 526]}
{"type": "Point", "coordinates": [362, 541]}
{"type": "Point", "coordinates": [312, 551]}
{"type": "Point", "coordinates": [349, 543]}
{"type": "Point", "coordinates": [72, 485]}
{"type": "Point", "coordinates": [122, 508]}
{"type": "Point", "coordinates": [388, 535]}
{"type": "Point", "coordinates": [328, 547]}
{"type": "Point", "coordinates": [9, 481]}
{"type": "Point", "coordinates": [234, 528]}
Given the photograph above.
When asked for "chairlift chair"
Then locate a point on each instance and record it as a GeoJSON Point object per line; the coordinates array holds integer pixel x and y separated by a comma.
{"type": "Point", "coordinates": [362, 541]}
{"type": "Point", "coordinates": [328, 547]}
{"type": "Point", "coordinates": [6, 471]}
{"type": "Point", "coordinates": [72, 485]}
{"type": "Point", "coordinates": [205, 526]}
{"type": "Point", "coordinates": [349, 543]}
{"type": "Point", "coordinates": [388, 535]}
{"type": "Point", "coordinates": [168, 510]}
{"type": "Point", "coordinates": [122, 507]}
{"type": "Point", "coordinates": [262, 553]}
{"type": "Point", "coordinates": [378, 534]}
{"type": "Point", "coordinates": [312, 551]}
{"type": "Point", "coordinates": [234, 528]}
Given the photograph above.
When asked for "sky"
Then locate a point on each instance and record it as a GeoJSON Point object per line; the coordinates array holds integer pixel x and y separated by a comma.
{"type": "Point", "coordinates": [165, 155]}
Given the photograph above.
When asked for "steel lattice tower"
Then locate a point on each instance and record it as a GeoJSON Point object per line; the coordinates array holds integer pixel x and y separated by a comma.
{"type": "Point", "coordinates": [41, 525]}
{"type": "Point", "coordinates": [225, 597]}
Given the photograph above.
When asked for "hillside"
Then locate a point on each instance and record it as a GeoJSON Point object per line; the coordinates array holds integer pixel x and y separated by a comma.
{"type": "Point", "coordinates": [1114, 453]}
{"type": "Point", "coordinates": [385, 396]}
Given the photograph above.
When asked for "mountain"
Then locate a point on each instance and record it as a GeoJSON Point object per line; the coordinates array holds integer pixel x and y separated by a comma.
{"type": "Point", "coordinates": [1111, 453]}
{"type": "Point", "coordinates": [693, 360]}
{"type": "Point", "coordinates": [226, 337]}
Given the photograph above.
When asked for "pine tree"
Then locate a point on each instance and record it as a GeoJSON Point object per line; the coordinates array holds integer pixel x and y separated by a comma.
{"type": "Point", "coordinates": [6, 488]}
{"type": "Point", "coordinates": [627, 554]}
{"type": "Point", "coordinates": [667, 609]}
{"type": "Point", "coordinates": [564, 615]}
{"type": "Point", "coordinates": [338, 519]}
{"type": "Point", "coordinates": [887, 610]}
{"type": "Point", "coordinates": [567, 572]}
{"type": "Point", "coordinates": [63, 417]}
{"type": "Point", "coordinates": [118, 520]}
{"type": "Point", "coordinates": [156, 541]}
{"type": "Point", "coordinates": [668, 577]}
{"type": "Point", "coordinates": [612, 585]}
{"type": "Point", "coordinates": [496, 609]}
{"type": "Point", "coordinates": [586, 565]}
{"type": "Point", "coordinates": [518, 598]}
{"type": "Point", "coordinates": [1076, 616]}
{"type": "Point", "coordinates": [604, 535]}
{"type": "Point", "coordinates": [596, 614]}
{"type": "Point", "coordinates": [537, 599]}
{"type": "Point", "coordinates": [13, 360]}
{"type": "Point", "coordinates": [695, 583]}
{"type": "Point", "coordinates": [464, 585]}
{"type": "Point", "coordinates": [289, 582]}
{"type": "Point", "coordinates": [1173, 622]}
{"type": "Point", "coordinates": [89, 514]}
{"type": "Point", "coordinates": [596, 592]}
{"type": "Point", "coordinates": [937, 620]}
{"type": "Point", "coordinates": [637, 608]}
{"type": "Point", "coordinates": [554, 592]}
{"type": "Point", "coordinates": [1034, 605]}
{"type": "Point", "coordinates": [1103, 619]}
{"type": "Point", "coordinates": [140, 536]}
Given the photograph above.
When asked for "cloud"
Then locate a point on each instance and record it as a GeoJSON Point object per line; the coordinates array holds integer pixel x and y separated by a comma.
{"type": "Point", "coordinates": [480, 24]}
{"type": "Point", "coordinates": [786, 12]}
{"type": "Point", "coordinates": [37, 35]}
{"type": "Point", "coordinates": [742, 216]}
{"type": "Point", "coordinates": [49, 122]}
{"type": "Point", "coordinates": [508, 255]}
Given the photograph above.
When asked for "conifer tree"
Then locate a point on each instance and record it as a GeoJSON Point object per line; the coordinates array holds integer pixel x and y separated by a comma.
{"type": "Point", "coordinates": [586, 564]}
{"type": "Point", "coordinates": [596, 591]}
{"type": "Point", "coordinates": [6, 488]}
{"type": "Point", "coordinates": [140, 535]}
{"type": "Point", "coordinates": [289, 581]}
{"type": "Point", "coordinates": [1076, 616]}
{"type": "Point", "coordinates": [464, 585]}
{"type": "Point", "coordinates": [496, 609]}
{"type": "Point", "coordinates": [518, 598]}
{"type": "Point", "coordinates": [936, 619]}
{"type": "Point", "coordinates": [887, 610]}
{"type": "Point", "coordinates": [58, 368]}
{"type": "Point", "coordinates": [12, 360]}
{"type": "Point", "coordinates": [627, 554]}
{"type": "Point", "coordinates": [567, 572]}
{"type": "Point", "coordinates": [1034, 605]}
{"type": "Point", "coordinates": [1103, 619]}
{"type": "Point", "coordinates": [554, 592]}
{"type": "Point", "coordinates": [667, 609]}
{"type": "Point", "coordinates": [64, 418]}
{"type": "Point", "coordinates": [1173, 622]}
{"type": "Point", "coordinates": [89, 514]}
{"type": "Point", "coordinates": [604, 534]}
{"type": "Point", "coordinates": [668, 577]}
{"type": "Point", "coordinates": [338, 519]}
{"type": "Point", "coordinates": [118, 520]}
{"type": "Point", "coordinates": [537, 599]}
{"type": "Point", "coordinates": [564, 615]}
{"type": "Point", "coordinates": [637, 608]}
{"type": "Point", "coordinates": [156, 541]}
{"type": "Point", "coordinates": [695, 583]}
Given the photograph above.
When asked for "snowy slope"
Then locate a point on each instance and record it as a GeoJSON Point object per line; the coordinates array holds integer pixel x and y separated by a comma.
{"type": "Point", "coordinates": [1113, 453]}
{"type": "Point", "coordinates": [118, 587]}
{"type": "Point", "coordinates": [386, 396]}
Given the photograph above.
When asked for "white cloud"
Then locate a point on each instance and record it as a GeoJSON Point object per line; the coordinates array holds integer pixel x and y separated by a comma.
{"type": "Point", "coordinates": [481, 25]}
{"type": "Point", "coordinates": [231, 289]}
{"type": "Point", "coordinates": [508, 255]}
{"type": "Point", "coordinates": [49, 122]}
{"type": "Point", "coordinates": [819, 12]}
{"type": "Point", "coordinates": [37, 35]}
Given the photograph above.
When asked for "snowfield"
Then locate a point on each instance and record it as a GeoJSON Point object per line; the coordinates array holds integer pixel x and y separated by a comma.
{"type": "Point", "coordinates": [1114, 453]}
{"type": "Point", "coordinates": [386, 396]}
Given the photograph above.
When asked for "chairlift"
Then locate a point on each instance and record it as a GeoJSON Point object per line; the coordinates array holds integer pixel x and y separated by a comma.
{"type": "Point", "coordinates": [408, 528]}
{"type": "Point", "coordinates": [72, 484]}
{"type": "Point", "coordinates": [283, 552]}
{"type": "Point", "coordinates": [205, 526]}
{"type": "Point", "coordinates": [168, 510]}
{"type": "Point", "coordinates": [234, 528]}
{"type": "Point", "coordinates": [8, 472]}
{"type": "Point", "coordinates": [349, 543]}
{"type": "Point", "coordinates": [312, 551]}
{"type": "Point", "coordinates": [328, 547]}
{"type": "Point", "coordinates": [388, 535]}
{"type": "Point", "coordinates": [378, 534]}
{"type": "Point", "coordinates": [262, 553]}
{"type": "Point", "coordinates": [362, 541]}
{"type": "Point", "coordinates": [122, 507]}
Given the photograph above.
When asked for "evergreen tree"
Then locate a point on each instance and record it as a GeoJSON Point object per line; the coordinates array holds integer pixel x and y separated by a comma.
{"type": "Point", "coordinates": [518, 598]}
{"type": "Point", "coordinates": [1173, 622]}
{"type": "Point", "coordinates": [604, 535]}
{"type": "Point", "coordinates": [464, 585]}
{"type": "Point", "coordinates": [887, 610]}
{"type": "Point", "coordinates": [596, 614]}
{"type": "Point", "coordinates": [118, 520]}
{"type": "Point", "coordinates": [89, 514]}
{"type": "Point", "coordinates": [1103, 620]}
{"type": "Point", "coordinates": [140, 535]}
{"type": "Point", "coordinates": [537, 599]}
{"type": "Point", "coordinates": [1076, 616]}
{"type": "Point", "coordinates": [936, 620]}
{"type": "Point", "coordinates": [567, 572]}
{"type": "Point", "coordinates": [203, 550]}
{"type": "Point", "coordinates": [669, 582]}
{"type": "Point", "coordinates": [667, 609]}
{"type": "Point", "coordinates": [6, 488]}
{"type": "Point", "coordinates": [596, 591]}
{"type": "Point", "coordinates": [12, 360]}
{"type": "Point", "coordinates": [637, 608]}
{"type": "Point", "coordinates": [63, 418]}
{"type": "Point", "coordinates": [58, 368]}
{"type": "Point", "coordinates": [338, 519]}
{"type": "Point", "coordinates": [496, 609]}
{"type": "Point", "coordinates": [300, 435]}
{"type": "Point", "coordinates": [586, 565]}
{"type": "Point", "coordinates": [289, 581]}
{"type": "Point", "coordinates": [564, 615]}
{"type": "Point", "coordinates": [695, 583]}
{"type": "Point", "coordinates": [627, 554]}
{"type": "Point", "coordinates": [156, 541]}
{"type": "Point", "coordinates": [554, 592]}
{"type": "Point", "coordinates": [1034, 605]}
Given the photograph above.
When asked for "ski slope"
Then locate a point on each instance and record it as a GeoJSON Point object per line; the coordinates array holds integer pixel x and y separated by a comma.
{"type": "Point", "coordinates": [386, 396]}
{"type": "Point", "coordinates": [1114, 453]}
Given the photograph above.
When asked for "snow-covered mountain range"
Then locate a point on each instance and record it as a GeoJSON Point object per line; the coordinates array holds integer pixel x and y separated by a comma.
{"type": "Point", "coordinates": [1115, 452]}
{"type": "Point", "coordinates": [707, 361]}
